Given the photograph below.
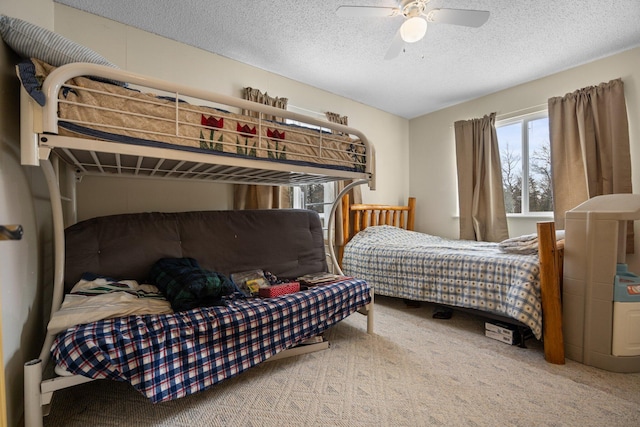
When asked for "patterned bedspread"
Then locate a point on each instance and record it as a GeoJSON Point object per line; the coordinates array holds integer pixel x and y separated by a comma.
{"type": "Point", "coordinates": [421, 267]}
{"type": "Point", "coordinates": [172, 355]}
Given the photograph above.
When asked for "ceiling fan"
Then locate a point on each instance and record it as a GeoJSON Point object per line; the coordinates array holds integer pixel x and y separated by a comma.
{"type": "Point", "coordinates": [416, 15]}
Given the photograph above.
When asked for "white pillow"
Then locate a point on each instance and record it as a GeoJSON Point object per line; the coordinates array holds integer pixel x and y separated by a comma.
{"type": "Point", "coordinates": [32, 41]}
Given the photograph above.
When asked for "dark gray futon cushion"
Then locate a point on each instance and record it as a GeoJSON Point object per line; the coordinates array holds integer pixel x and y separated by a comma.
{"type": "Point", "coordinates": [287, 242]}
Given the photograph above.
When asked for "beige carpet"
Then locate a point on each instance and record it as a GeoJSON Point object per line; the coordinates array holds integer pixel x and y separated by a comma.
{"type": "Point", "coordinates": [416, 371]}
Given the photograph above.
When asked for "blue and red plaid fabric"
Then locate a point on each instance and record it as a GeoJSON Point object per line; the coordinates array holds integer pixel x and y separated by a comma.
{"type": "Point", "coordinates": [169, 356]}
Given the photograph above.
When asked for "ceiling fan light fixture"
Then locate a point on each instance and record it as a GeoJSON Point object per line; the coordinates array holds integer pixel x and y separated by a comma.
{"type": "Point", "coordinates": [413, 29]}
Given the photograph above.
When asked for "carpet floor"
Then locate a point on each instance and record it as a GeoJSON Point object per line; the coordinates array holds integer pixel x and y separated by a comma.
{"type": "Point", "coordinates": [414, 371]}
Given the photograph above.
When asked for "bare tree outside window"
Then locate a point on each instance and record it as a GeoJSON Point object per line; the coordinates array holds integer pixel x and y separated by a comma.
{"type": "Point", "coordinates": [540, 195]}
{"type": "Point", "coordinates": [314, 198]}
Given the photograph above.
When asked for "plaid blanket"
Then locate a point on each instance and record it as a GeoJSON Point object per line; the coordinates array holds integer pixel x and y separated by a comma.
{"type": "Point", "coordinates": [173, 355]}
{"type": "Point", "coordinates": [462, 273]}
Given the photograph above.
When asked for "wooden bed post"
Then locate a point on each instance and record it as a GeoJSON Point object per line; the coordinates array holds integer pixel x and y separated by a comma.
{"type": "Point", "coordinates": [411, 215]}
{"type": "Point", "coordinates": [345, 228]}
{"type": "Point", "coordinates": [550, 293]}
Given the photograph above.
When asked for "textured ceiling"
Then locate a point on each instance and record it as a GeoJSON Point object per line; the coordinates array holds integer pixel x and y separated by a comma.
{"type": "Point", "coordinates": [306, 41]}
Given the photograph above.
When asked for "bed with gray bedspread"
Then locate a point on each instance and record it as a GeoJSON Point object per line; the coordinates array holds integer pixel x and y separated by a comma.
{"type": "Point", "coordinates": [459, 273]}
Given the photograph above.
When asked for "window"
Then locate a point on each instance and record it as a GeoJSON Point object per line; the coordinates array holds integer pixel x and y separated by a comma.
{"type": "Point", "coordinates": [319, 198]}
{"type": "Point", "coordinates": [525, 155]}
{"type": "Point", "coordinates": [316, 197]}
{"type": "Point", "coordinates": [309, 113]}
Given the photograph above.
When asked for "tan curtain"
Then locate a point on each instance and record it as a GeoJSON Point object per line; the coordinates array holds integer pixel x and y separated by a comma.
{"type": "Point", "coordinates": [336, 118]}
{"type": "Point", "coordinates": [248, 196]}
{"type": "Point", "coordinates": [480, 193]}
{"type": "Point", "coordinates": [355, 194]}
{"type": "Point", "coordinates": [589, 135]}
{"type": "Point", "coordinates": [256, 95]}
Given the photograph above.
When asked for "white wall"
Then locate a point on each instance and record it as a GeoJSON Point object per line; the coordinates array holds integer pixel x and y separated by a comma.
{"type": "Point", "coordinates": [432, 146]}
{"type": "Point", "coordinates": [25, 265]}
{"type": "Point", "coordinates": [98, 196]}
{"type": "Point", "coordinates": [146, 53]}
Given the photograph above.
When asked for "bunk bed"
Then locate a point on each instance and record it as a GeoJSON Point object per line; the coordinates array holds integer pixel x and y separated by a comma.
{"type": "Point", "coordinates": [104, 121]}
{"type": "Point", "coordinates": [514, 281]}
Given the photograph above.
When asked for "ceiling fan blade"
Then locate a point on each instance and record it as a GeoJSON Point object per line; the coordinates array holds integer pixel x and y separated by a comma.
{"type": "Point", "coordinates": [397, 44]}
{"type": "Point", "coordinates": [467, 18]}
{"type": "Point", "coordinates": [366, 11]}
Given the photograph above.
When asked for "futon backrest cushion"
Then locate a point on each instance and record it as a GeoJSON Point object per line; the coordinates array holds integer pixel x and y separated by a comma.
{"type": "Point", "coordinates": [287, 242]}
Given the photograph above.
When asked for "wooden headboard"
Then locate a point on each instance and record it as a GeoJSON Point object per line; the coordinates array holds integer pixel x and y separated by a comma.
{"type": "Point", "coordinates": [359, 216]}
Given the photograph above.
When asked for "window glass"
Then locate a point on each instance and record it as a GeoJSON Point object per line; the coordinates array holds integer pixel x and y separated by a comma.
{"type": "Point", "coordinates": [315, 197]}
{"type": "Point", "coordinates": [525, 158]}
{"type": "Point", "coordinates": [540, 196]}
{"type": "Point", "coordinates": [510, 143]}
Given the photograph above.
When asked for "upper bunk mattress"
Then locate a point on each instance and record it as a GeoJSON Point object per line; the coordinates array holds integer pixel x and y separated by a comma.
{"type": "Point", "coordinates": [105, 111]}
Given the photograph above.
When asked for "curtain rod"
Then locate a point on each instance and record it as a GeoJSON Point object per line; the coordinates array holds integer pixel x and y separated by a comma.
{"type": "Point", "coordinates": [522, 112]}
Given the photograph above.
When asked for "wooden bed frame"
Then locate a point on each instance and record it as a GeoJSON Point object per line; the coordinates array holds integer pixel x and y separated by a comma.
{"type": "Point", "coordinates": [357, 217]}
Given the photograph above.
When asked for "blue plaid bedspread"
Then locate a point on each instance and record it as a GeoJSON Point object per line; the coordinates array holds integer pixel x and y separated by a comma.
{"type": "Point", "coordinates": [173, 355]}
{"type": "Point", "coordinates": [422, 267]}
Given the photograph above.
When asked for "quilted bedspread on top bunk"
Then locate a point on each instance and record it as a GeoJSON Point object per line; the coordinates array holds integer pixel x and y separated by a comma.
{"type": "Point", "coordinates": [100, 110]}
{"type": "Point", "coordinates": [169, 356]}
{"type": "Point", "coordinates": [422, 267]}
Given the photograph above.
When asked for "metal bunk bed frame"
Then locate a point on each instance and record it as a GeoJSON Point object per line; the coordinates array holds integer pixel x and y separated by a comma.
{"type": "Point", "coordinates": [40, 139]}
